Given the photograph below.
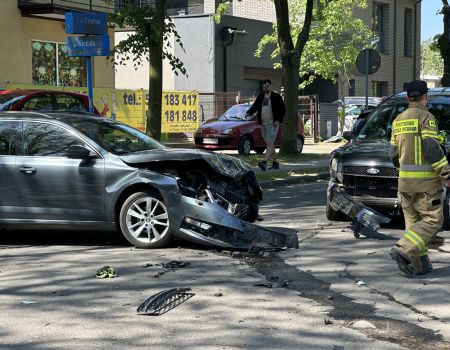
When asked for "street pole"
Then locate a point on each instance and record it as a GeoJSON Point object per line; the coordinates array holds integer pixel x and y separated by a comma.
{"type": "Point", "coordinates": [89, 82]}
{"type": "Point", "coordinates": [367, 81]}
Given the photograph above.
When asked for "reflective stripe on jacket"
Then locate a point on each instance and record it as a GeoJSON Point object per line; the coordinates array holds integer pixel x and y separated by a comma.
{"type": "Point", "coordinates": [416, 151]}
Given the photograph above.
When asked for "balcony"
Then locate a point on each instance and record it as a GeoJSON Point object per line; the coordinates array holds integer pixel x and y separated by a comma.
{"type": "Point", "coordinates": [55, 9]}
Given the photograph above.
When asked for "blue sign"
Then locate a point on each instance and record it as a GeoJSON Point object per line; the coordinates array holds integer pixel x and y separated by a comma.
{"type": "Point", "coordinates": [82, 46]}
{"type": "Point", "coordinates": [86, 23]}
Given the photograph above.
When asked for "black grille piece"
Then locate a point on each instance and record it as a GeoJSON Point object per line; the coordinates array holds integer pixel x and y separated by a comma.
{"type": "Point", "coordinates": [371, 186]}
{"type": "Point", "coordinates": [236, 198]}
{"type": "Point", "coordinates": [164, 301]}
{"type": "Point", "coordinates": [362, 171]}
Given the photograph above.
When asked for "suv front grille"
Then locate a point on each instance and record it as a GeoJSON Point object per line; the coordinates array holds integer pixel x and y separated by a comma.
{"type": "Point", "coordinates": [362, 171]}
{"type": "Point", "coordinates": [359, 182]}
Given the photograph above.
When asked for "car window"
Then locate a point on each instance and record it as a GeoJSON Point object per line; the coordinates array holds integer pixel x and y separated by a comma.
{"type": "Point", "coordinates": [7, 138]}
{"type": "Point", "coordinates": [114, 137]}
{"type": "Point", "coordinates": [379, 125]}
{"type": "Point", "coordinates": [43, 139]}
{"type": "Point", "coordinates": [38, 103]}
{"type": "Point", "coordinates": [66, 102]}
{"type": "Point", "coordinates": [7, 101]}
{"type": "Point", "coordinates": [235, 113]}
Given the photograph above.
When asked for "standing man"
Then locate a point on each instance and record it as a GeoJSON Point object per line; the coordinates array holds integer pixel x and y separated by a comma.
{"type": "Point", "coordinates": [270, 110]}
{"type": "Point", "coordinates": [424, 170]}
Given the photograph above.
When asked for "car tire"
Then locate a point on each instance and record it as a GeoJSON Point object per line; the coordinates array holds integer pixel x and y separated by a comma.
{"type": "Point", "coordinates": [144, 220]}
{"type": "Point", "coordinates": [260, 150]}
{"type": "Point", "coordinates": [245, 145]}
{"type": "Point", "coordinates": [334, 215]}
{"type": "Point", "coordinates": [300, 143]}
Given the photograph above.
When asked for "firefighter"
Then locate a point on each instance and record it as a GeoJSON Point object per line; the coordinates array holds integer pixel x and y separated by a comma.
{"type": "Point", "coordinates": [423, 170]}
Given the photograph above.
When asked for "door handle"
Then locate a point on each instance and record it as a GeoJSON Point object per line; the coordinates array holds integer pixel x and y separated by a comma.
{"type": "Point", "coordinates": [28, 170]}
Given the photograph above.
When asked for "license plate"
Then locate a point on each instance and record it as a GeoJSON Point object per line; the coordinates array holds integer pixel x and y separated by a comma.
{"type": "Point", "coordinates": [211, 141]}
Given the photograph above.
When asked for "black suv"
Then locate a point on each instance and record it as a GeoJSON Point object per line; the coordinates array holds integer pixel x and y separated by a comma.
{"type": "Point", "coordinates": [362, 167]}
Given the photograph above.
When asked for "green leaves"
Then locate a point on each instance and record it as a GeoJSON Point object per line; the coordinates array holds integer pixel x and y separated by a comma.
{"type": "Point", "coordinates": [432, 62]}
{"type": "Point", "coordinates": [147, 34]}
{"type": "Point", "coordinates": [106, 272]}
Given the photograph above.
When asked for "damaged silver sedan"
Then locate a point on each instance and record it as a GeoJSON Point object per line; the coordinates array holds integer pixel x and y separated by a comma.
{"type": "Point", "coordinates": [78, 171]}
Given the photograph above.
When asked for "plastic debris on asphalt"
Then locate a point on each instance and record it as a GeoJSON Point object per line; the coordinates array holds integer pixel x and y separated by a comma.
{"type": "Point", "coordinates": [164, 301]}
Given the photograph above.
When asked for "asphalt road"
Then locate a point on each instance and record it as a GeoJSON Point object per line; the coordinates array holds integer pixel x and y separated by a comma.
{"type": "Point", "coordinates": [50, 298]}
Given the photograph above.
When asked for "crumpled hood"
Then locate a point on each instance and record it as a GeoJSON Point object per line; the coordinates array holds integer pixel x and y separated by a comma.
{"type": "Point", "coordinates": [377, 151]}
{"type": "Point", "coordinates": [222, 163]}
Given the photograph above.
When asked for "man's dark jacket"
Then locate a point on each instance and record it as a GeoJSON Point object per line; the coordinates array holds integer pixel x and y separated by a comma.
{"type": "Point", "coordinates": [278, 107]}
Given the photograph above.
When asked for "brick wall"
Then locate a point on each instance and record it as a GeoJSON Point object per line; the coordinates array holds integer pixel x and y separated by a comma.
{"type": "Point", "coordinates": [403, 65]}
{"type": "Point", "coordinates": [263, 10]}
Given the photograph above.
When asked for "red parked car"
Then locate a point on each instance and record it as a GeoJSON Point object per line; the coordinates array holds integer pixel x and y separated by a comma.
{"type": "Point", "coordinates": [43, 100]}
{"type": "Point", "coordinates": [233, 131]}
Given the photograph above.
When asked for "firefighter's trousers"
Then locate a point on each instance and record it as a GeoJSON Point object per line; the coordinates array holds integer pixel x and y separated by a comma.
{"type": "Point", "coordinates": [423, 212]}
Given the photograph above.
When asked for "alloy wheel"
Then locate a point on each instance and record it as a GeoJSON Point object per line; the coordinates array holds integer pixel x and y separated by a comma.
{"type": "Point", "coordinates": [147, 220]}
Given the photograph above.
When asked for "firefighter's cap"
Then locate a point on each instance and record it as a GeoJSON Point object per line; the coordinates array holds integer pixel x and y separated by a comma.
{"type": "Point", "coordinates": [416, 88]}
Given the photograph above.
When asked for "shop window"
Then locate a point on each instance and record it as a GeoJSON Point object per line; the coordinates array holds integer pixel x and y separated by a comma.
{"type": "Point", "coordinates": [52, 66]}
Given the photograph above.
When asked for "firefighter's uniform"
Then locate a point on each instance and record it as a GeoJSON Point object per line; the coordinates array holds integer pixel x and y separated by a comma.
{"type": "Point", "coordinates": [415, 149]}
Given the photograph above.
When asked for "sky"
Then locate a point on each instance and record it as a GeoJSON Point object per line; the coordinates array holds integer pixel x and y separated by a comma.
{"type": "Point", "coordinates": [431, 22]}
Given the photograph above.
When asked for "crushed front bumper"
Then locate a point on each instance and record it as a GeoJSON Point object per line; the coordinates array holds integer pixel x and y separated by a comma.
{"type": "Point", "coordinates": [210, 224]}
{"type": "Point", "coordinates": [365, 221]}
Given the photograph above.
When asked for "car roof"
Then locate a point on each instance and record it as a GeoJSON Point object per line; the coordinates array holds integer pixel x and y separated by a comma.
{"type": "Point", "coordinates": [57, 115]}
{"type": "Point", "coordinates": [20, 92]}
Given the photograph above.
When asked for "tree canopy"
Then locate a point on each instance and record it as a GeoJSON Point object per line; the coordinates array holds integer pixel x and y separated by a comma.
{"type": "Point", "coordinates": [431, 60]}
{"type": "Point", "coordinates": [149, 42]}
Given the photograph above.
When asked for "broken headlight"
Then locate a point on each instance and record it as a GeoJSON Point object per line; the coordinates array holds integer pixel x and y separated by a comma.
{"type": "Point", "coordinates": [336, 172]}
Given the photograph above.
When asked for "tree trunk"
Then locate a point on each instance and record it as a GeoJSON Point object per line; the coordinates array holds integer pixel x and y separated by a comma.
{"type": "Point", "coordinates": [291, 65]}
{"type": "Point", "coordinates": [290, 59]}
{"type": "Point", "coordinates": [343, 83]}
{"type": "Point", "coordinates": [444, 45]}
{"type": "Point", "coordinates": [156, 74]}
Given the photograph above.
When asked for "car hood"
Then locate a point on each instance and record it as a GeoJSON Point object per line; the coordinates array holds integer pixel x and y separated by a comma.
{"type": "Point", "coordinates": [220, 126]}
{"type": "Point", "coordinates": [364, 152]}
{"type": "Point", "coordinates": [222, 163]}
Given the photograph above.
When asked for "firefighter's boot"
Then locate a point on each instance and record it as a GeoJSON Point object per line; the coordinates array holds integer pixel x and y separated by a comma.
{"type": "Point", "coordinates": [409, 264]}
{"type": "Point", "coordinates": [425, 264]}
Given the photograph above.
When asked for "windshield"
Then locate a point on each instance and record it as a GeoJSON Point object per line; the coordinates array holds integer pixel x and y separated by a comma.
{"type": "Point", "coordinates": [235, 113]}
{"type": "Point", "coordinates": [115, 137]}
{"type": "Point", "coordinates": [7, 101]}
{"type": "Point", "coordinates": [379, 125]}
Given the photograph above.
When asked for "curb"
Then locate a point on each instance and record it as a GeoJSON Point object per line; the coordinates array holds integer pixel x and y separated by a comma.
{"type": "Point", "coordinates": [295, 180]}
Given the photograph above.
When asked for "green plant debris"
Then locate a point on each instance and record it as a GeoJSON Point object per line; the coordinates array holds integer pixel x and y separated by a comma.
{"type": "Point", "coordinates": [106, 272]}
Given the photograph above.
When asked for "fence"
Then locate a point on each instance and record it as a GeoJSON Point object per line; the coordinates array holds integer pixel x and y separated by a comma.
{"type": "Point", "coordinates": [215, 104]}
{"type": "Point", "coordinates": [308, 110]}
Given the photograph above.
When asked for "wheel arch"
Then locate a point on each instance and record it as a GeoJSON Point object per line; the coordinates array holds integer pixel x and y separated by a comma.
{"type": "Point", "coordinates": [126, 192]}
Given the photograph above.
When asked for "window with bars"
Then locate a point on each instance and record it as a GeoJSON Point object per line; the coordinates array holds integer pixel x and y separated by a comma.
{"type": "Point", "coordinates": [52, 66]}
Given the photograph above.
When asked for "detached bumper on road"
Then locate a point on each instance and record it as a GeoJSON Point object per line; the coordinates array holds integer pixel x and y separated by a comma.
{"type": "Point", "coordinates": [210, 224]}
{"type": "Point", "coordinates": [365, 221]}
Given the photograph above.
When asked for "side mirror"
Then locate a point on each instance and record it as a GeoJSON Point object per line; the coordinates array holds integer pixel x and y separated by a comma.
{"type": "Point", "coordinates": [77, 152]}
{"type": "Point", "coordinates": [251, 117]}
{"type": "Point", "coordinates": [347, 135]}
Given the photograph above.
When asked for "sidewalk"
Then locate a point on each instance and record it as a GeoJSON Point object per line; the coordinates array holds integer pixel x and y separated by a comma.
{"type": "Point", "coordinates": [307, 164]}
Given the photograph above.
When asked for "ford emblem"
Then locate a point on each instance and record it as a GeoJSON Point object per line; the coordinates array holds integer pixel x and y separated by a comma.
{"type": "Point", "coordinates": [373, 171]}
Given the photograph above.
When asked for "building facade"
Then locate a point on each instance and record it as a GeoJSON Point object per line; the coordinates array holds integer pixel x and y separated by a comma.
{"type": "Point", "coordinates": [395, 23]}
{"type": "Point", "coordinates": [32, 46]}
